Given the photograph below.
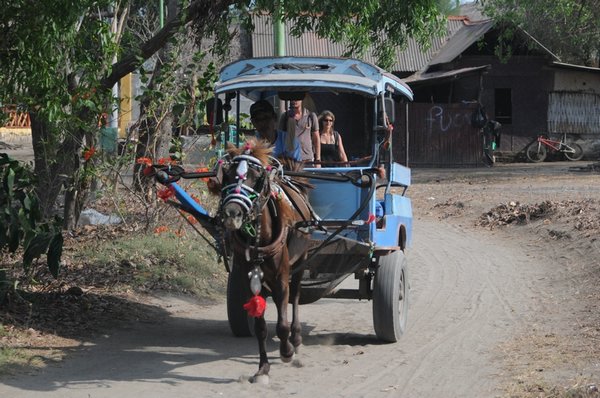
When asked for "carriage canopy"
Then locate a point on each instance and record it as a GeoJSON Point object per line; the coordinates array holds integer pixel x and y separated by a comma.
{"type": "Point", "coordinates": [259, 78]}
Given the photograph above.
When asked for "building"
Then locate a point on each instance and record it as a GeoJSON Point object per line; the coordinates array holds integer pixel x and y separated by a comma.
{"type": "Point", "coordinates": [531, 92]}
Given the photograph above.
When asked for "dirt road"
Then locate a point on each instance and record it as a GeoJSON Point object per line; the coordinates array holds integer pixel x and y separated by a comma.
{"type": "Point", "coordinates": [491, 313]}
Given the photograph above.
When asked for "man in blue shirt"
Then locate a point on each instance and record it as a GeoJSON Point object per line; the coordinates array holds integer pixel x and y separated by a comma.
{"type": "Point", "coordinates": [264, 119]}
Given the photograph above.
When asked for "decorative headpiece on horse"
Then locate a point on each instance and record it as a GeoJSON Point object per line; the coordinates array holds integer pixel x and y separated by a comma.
{"type": "Point", "coordinates": [246, 173]}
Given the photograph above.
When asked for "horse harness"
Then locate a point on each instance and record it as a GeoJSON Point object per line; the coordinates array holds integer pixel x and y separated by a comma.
{"type": "Point", "coordinates": [253, 201]}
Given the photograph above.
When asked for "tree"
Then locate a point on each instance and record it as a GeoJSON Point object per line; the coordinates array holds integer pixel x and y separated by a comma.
{"type": "Point", "coordinates": [569, 28]}
{"type": "Point", "coordinates": [61, 60]}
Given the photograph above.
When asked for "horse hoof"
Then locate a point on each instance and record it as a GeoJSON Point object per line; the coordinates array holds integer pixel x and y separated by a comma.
{"type": "Point", "coordinates": [297, 363]}
{"type": "Point", "coordinates": [287, 359]}
{"type": "Point", "coordinates": [260, 379]}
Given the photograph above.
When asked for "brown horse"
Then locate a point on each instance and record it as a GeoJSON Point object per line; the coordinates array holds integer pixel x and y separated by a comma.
{"type": "Point", "coordinates": [258, 210]}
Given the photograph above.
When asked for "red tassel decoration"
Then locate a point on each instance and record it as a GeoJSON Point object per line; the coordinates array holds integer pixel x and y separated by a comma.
{"type": "Point", "coordinates": [256, 306]}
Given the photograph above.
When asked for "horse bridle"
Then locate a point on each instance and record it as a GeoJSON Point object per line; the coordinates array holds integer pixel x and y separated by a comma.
{"type": "Point", "coordinates": [251, 199]}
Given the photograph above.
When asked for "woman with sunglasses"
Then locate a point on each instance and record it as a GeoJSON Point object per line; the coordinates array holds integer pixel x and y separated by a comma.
{"type": "Point", "coordinates": [332, 147]}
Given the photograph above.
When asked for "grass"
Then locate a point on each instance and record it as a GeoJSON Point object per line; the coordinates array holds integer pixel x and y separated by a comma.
{"type": "Point", "coordinates": [537, 362]}
{"type": "Point", "coordinates": [104, 266]}
{"type": "Point", "coordinates": [12, 358]}
{"type": "Point", "coordinates": [162, 261]}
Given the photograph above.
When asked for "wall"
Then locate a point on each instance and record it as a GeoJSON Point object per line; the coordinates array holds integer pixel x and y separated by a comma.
{"type": "Point", "coordinates": [529, 81]}
{"type": "Point", "coordinates": [573, 80]}
{"type": "Point", "coordinates": [439, 135]}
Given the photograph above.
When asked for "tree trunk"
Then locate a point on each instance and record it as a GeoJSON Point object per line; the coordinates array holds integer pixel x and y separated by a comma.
{"type": "Point", "coordinates": [55, 167]}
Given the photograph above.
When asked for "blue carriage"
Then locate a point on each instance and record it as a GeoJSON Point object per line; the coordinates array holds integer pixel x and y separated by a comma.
{"type": "Point", "coordinates": [363, 219]}
{"type": "Point", "coordinates": [366, 226]}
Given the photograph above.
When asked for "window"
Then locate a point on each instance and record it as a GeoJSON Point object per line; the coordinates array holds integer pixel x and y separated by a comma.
{"type": "Point", "coordinates": [503, 105]}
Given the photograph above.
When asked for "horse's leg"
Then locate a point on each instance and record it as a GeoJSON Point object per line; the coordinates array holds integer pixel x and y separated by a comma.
{"type": "Point", "coordinates": [295, 297]}
{"type": "Point", "coordinates": [260, 329]}
{"type": "Point", "coordinates": [281, 296]}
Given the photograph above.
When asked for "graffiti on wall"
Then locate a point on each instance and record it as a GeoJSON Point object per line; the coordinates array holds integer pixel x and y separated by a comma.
{"type": "Point", "coordinates": [440, 119]}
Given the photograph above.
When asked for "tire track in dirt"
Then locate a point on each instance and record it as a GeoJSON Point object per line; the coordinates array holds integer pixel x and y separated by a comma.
{"type": "Point", "coordinates": [461, 308]}
{"type": "Point", "coordinates": [467, 310]}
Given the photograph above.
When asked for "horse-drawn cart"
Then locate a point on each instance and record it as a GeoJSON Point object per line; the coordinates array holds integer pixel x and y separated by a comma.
{"type": "Point", "coordinates": [359, 221]}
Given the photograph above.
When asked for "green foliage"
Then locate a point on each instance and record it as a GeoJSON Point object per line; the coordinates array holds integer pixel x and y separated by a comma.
{"type": "Point", "coordinates": [568, 28]}
{"type": "Point", "coordinates": [46, 51]}
{"type": "Point", "coordinates": [59, 60]}
{"type": "Point", "coordinates": [21, 223]}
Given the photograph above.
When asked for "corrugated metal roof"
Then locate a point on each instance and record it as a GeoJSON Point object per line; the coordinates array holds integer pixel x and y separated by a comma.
{"type": "Point", "coordinates": [461, 40]}
{"type": "Point", "coordinates": [412, 59]}
{"type": "Point", "coordinates": [576, 67]}
{"type": "Point", "coordinates": [425, 78]}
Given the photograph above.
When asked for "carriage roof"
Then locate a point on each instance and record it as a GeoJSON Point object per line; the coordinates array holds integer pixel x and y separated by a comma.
{"type": "Point", "coordinates": [258, 78]}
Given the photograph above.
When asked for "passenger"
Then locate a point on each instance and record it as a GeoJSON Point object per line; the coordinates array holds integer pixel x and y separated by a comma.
{"type": "Point", "coordinates": [264, 118]}
{"type": "Point", "coordinates": [306, 128]}
{"type": "Point", "coordinates": [332, 147]}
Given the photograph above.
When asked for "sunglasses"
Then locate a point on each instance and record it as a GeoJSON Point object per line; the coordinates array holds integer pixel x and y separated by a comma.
{"type": "Point", "coordinates": [328, 120]}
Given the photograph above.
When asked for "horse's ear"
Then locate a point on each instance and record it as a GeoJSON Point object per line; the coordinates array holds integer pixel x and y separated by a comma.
{"type": "Point", "coordinates": [215, 183]}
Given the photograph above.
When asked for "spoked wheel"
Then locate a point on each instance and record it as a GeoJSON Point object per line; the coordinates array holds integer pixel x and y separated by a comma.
{"type": "Point", "coordinates": [390, 297]}
{"type": "Point", "coordinates": [577, 153]}
{"type": "Point", "coordinates": [238, 292]}
{"type": "Point", "coordinates": [536, 152]}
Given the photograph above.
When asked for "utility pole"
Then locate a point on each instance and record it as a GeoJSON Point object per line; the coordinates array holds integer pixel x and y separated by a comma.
{"type": "Point", "coordinates": [278, 31]}
{"type": "Point", "coordinates": [162, 13]}
{"type": "Point", "coordinates": [279, 39]}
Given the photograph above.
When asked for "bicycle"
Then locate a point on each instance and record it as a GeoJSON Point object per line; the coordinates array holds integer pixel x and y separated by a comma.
{"type": "Point", "coordinates": [538, 149]}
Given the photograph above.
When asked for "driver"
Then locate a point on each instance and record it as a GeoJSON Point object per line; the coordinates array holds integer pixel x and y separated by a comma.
{"type": "Point", "coordinates": [264, 119]}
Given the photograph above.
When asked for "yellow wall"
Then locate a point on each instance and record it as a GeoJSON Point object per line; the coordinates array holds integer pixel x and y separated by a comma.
{"type": "Point", "coordinates": [125, 108]}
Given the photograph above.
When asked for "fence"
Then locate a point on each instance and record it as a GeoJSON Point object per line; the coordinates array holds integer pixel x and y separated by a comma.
{"type": "Point", "coordinates": [16, 119]}
{"type": "Point", "coordinates": [439, 135]}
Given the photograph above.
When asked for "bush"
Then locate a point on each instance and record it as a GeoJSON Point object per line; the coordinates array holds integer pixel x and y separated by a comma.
{"type": "Point", "coordinates": [21, 223]}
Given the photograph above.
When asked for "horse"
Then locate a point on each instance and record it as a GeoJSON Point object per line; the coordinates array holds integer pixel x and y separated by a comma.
{"type": "Point", "coordinates": [258, 210]}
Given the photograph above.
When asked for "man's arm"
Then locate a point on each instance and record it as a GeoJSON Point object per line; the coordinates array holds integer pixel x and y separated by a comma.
{"type": "Point", "coordinates": [283, 121]}
{"type": "Point", "coordinates": [316, 137]}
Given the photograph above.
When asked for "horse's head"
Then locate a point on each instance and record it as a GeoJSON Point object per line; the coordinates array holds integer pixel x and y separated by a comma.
{"type": "Point", "coordinates": [244, 182]}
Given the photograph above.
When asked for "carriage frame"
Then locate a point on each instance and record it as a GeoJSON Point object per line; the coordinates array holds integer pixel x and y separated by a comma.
{"type": "Point", "coordinates": [364, 223]}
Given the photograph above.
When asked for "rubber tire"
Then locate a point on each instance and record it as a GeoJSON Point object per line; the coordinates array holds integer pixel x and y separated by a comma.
{"type": "Point", "coordinates": [578, 155]}
{"type": "Point", "coordinates": [488, 158]}
{"type": "Point", "coordinates": [238, 293]}
{"type": "Point", "coordinates": [390, 297]}
{"type": "Point", "coordinates": [536, 152]}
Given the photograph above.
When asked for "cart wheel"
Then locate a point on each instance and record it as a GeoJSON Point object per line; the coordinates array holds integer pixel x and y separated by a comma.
{"type": "Point", "coordinates": [238, 292]}
{"type": "Point", "coordinates": [577, 155]}
{"type": "Point", "coordinates": [390, 297]}
{"type": "Point", "coordinates": [536, 152]}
